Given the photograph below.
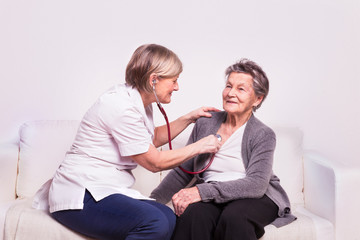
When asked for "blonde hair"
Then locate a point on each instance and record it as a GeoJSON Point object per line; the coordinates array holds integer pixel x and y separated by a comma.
{"type": "Point", "coordinates": [148, 59]}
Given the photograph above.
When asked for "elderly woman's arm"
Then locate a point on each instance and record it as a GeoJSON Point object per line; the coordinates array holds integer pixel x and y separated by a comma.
{"type": "Point", "coordinates": [173, 182]}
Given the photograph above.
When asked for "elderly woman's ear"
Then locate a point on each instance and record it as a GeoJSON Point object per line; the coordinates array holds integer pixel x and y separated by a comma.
{"type": "Point", "coordinates": [258, 101]}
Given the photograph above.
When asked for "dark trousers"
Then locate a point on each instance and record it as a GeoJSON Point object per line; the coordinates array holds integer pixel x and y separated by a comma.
{"type": "Point", "coordinates": [120, 217]}
{"type": "Point", "coordinates": [243, 219]}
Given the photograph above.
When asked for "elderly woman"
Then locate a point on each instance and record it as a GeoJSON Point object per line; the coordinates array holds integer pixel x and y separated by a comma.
{"type": "Point", "coordinates": [238, 195]}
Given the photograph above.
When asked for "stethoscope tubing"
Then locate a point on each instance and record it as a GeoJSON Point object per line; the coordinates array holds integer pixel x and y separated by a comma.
{"type": "Point", "coordinates": [170, 145]}
{"type": "Point", "coordinates": [169, 135]}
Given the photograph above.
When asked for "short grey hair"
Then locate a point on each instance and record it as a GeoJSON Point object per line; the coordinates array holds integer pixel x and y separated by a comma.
{"type": "Point", "coordinates": [260, 80]}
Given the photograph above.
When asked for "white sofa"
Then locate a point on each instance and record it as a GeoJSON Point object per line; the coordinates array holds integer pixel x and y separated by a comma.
{"type": "Point", "coordinates": [322, 193]}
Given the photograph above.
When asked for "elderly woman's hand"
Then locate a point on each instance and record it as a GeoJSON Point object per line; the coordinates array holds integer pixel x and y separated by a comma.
{"type": "Point", "coordinates": [183, 198]}
{"type": "Point", "coordinates": [201, 112]}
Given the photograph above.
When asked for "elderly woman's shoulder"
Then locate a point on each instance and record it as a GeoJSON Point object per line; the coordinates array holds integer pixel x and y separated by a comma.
{"type": "Point", "coordinates": [215, 117]}
{"type": "Point", "coordinates": [258, 127]}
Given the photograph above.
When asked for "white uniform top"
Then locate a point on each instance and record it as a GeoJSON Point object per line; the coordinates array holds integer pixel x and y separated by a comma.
{"type": "Point", "coordinates": [228, 164]}
{"type": "Point", "coordinates": [114, 128]}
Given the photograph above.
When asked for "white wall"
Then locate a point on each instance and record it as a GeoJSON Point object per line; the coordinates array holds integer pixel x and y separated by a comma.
{"type": "Point", "coordinates": [56, 57]}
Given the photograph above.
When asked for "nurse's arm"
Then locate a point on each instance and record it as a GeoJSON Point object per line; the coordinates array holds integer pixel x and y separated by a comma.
{"type": "Point", "coordinates": [155, 160]}
{"type": "Point", "coordinates": [178, 125]}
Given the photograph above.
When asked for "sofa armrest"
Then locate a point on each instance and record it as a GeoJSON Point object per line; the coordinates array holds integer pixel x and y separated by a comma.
{"type": "Point", "coordinates": [8, 171]}
{"type": "Point", "coordinates": [331, 191]}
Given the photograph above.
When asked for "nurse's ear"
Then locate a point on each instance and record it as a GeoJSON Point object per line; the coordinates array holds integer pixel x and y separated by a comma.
{"type": "Point", "coordinates": [152, 80]}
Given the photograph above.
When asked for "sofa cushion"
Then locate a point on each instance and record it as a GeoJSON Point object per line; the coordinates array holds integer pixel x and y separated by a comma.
{"type": "Point", "coordinates": [301, 229]}
{"type": "Point", "coordinates": [24, 222]}
{"type": "Point", "coordinates": [43, 145]}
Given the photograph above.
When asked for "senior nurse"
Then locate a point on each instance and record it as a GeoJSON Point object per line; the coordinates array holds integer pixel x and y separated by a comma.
{"type": "Point", "coordinates": [91, 191]}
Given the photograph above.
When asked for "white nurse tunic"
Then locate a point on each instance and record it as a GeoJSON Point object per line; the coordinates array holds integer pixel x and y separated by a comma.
{"type": "Point", "coordinates": [114, 128]}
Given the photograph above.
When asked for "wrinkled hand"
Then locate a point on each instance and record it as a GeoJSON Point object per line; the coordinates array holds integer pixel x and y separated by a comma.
{"type": "Point", "coordinates": [183, 198]}
{"type": "Point", "coordinates": [201, 112]}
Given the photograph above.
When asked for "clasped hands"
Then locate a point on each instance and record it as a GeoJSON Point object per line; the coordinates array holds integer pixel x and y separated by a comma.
{"type": "Point", "coordinates": [183, 198]}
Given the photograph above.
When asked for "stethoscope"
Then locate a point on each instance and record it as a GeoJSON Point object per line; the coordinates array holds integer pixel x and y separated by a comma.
{"type": "Point", "coordinates": [169, 135]}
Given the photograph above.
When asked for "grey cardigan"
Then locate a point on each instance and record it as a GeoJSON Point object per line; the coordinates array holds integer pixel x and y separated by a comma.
{"type": "Point", "coordinates": [258, 145]}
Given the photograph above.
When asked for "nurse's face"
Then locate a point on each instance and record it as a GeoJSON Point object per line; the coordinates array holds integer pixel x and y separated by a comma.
{"type": "Point", "coordinates": [164, 88]}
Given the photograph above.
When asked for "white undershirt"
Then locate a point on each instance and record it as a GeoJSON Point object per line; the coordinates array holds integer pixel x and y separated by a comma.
{"type": "Point", "coordinates": [228, 164]}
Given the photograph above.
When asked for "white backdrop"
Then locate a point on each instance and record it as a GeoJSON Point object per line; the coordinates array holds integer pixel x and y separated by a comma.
{"type": "Point", "coordinates": [57, 57]}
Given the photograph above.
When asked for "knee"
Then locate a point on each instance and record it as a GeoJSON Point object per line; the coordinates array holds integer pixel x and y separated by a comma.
{"type": "Point", "coordinates": [199, 217]}
{"type": "Point", "coordinates": [158, 226]}
{"type": "Point", "coordinates": [160, 230]}
{"type": "Point", "coordinates": [232, 220]}
{"type": "Point", "coordinates": [229, 218]}
{"type": "Point", "coordinates": [197, 212]}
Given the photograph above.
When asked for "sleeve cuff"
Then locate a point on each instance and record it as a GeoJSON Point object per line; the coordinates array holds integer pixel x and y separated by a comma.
{"type": "Point", "coordinates": [205, 192]}
{"type": "Point", "coordinates": [134, 148]}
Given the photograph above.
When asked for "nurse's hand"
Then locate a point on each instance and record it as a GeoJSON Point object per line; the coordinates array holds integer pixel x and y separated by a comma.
{"type": "Point", "coordinates": [201, 112]}
{"type": "Point", "coordinates": [183, 198]}
{"type": "Point", "coordinates": [209, 144]}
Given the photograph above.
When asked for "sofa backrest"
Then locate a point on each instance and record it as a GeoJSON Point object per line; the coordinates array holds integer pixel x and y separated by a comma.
{"type": "Point", "coordinates": [43, 145]}
{"type": "Point", "coordinates": [288, 162]}
{"type": "Point", "coordinates": [8, 162]}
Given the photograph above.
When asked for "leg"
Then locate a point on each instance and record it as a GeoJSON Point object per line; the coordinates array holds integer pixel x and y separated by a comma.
{"type": "Point", "coordinates": [168, 213]}
{"type": "Point", "coordinates": [197, 222]}
{"type": "Point", "coordinates": [119, 217]}
{"type": "Point", "coordinates": [246, 218]}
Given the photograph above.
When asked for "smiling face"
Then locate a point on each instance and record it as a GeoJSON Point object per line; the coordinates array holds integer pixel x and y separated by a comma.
{"type": "Point", "coordinates": [164, 88]}
{"type": "Point", "coordinates": [238, 96]}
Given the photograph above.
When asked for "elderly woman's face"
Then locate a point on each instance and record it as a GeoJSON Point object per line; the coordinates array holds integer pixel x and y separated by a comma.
{"type": "Point", "coordinates": [239, 96]}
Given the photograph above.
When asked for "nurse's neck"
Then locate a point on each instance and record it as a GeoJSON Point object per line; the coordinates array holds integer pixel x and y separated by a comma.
{"type": "Point", "coordinates": [147, 98]}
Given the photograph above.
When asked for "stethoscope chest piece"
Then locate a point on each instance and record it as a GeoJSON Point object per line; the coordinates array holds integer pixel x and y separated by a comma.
{"type": "Point", "coordinates": [218, 137]}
